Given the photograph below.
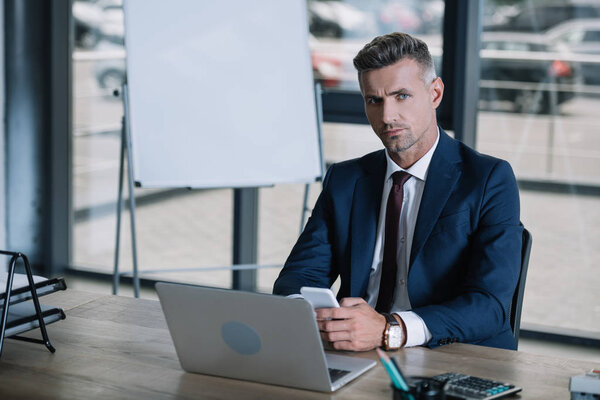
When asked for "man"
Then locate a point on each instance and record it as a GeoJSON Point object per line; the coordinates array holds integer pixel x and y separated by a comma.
{"type": "Point", "coordinates": [428, 255]}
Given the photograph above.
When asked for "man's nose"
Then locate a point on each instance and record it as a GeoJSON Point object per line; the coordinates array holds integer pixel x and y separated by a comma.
{"type": "Point", "coordinates": [389, 113]}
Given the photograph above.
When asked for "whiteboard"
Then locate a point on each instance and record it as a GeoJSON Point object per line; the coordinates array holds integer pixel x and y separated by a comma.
{"type": "Point", "coordinates": [220, 93]}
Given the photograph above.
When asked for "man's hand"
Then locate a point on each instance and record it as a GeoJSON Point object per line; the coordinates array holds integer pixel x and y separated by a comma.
{"type": "Point", "coordinates": [353, 326]}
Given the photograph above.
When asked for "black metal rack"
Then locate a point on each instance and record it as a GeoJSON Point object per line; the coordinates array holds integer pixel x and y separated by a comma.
{"type": "Point", "coordinates": [18, 316]}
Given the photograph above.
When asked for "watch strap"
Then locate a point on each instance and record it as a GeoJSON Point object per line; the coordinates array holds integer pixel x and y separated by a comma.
{"type": "Point", "coordinates": [390, 319]}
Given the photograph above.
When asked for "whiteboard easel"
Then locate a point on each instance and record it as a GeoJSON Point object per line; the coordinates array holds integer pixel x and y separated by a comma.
{"type": "Point", "coordinates": [223, 98]}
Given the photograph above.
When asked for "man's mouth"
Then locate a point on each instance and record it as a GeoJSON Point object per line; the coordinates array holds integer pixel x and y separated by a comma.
{"type": "Point", "coordinates": [393, 132]}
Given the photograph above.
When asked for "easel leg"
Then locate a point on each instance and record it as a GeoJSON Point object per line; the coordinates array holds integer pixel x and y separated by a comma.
{"type": "Point", "coordinates": [119, 209]}
{"type": "Point", "coordinates": [127, 140]}
{"type": "Point", "coordinates": [126, 149]}
{"type": "Point", "coordinates": [304, 207]}
{"type": "Point", "coordinates": [136, 278]}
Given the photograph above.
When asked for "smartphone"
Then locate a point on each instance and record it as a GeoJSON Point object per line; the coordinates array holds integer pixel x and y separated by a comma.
{"type": "Point", "coordinates": [319, 297]}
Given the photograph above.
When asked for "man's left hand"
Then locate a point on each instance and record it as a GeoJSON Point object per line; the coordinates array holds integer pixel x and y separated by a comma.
{"type": "Point", "coordinates": [353, 326]}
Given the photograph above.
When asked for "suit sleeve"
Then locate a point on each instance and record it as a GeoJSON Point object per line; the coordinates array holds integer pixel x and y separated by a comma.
{"type": "Point", "coordinates": [310, 262]}
{"type": "Point", "coordinates": [479, 312]}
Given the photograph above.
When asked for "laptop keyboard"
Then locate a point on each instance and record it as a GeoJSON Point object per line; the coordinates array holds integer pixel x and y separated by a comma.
{"type": "Point", "coordinates": [335, 374]}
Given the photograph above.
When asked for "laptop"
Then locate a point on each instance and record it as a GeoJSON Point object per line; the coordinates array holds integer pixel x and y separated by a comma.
{"type": "Point", "coordinates": [254, 337]}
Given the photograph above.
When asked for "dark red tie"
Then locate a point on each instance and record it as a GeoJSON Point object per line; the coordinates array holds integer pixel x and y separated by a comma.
{"type": "Point", "coordinates": [389, 265]}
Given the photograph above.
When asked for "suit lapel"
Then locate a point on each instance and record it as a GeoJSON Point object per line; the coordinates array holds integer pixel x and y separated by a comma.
{"type": "Point", "coordinates": [363, 225]}
{"type": "Point", "coordinates": [441, 178]}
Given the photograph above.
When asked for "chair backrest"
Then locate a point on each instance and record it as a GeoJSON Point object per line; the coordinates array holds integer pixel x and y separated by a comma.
{"type": "Point", "coordinates": [517, 300]}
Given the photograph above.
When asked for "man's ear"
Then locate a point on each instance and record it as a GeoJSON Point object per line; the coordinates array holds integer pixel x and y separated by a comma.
{"type": "Point", "coordinates": [436, 90]}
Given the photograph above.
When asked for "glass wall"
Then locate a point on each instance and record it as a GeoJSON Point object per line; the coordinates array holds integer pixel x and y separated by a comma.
{"type": "Point", "coordinates": [539, 102]}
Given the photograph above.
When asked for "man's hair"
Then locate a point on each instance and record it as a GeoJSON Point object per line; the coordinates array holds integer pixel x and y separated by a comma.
{"type": "Point", "coordinates": [389, 49]}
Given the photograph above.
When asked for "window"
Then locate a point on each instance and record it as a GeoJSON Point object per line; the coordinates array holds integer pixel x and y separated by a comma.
{"type": "Point", "coordinates": [538, 106]}
{"type": "Point", "coordinates": [592, 36]}
{"type": "Point", "coordinates": [538, 111]}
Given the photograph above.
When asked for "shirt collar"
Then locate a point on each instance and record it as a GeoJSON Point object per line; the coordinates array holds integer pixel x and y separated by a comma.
{"type": "Point", "coordinates": [418, 169]}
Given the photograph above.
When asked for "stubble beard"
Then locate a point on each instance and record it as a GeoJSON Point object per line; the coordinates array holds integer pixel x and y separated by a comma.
{"type": "Point", "coordinates": [400, 143]}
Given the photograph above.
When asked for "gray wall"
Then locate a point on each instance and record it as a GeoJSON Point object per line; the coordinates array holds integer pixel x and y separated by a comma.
{"type": "Point", "coordinates": [37, 131]}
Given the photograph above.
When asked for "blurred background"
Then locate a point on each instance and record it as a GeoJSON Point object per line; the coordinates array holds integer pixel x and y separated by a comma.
{"type": "Point", "coordinates": [539, 103]}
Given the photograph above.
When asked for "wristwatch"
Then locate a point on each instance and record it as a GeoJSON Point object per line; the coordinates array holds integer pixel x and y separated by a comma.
{"type": "Point", "coordinates": [393, 335]}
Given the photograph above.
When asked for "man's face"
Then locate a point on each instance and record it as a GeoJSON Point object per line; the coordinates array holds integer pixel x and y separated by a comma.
{"type": "Point", "coordinates": [401, 107]}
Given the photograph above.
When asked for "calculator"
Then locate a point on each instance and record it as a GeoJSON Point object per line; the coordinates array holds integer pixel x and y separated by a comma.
{"type": "Point", "coordinates": [470, 387]}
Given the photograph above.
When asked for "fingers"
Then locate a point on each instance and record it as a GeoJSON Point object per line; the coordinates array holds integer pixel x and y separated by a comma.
{"type": "Point", "coordinates": [333, 313]}
{"type": "Point", "coordinates": [348, 345]}
{"type": "Point", "coordinates": [343, 341]}
{"type": "Point", "coordinates": [327, 314]}
{"type": "Point", "coordinates": [337, 336]}
{"type": "Point", "coordinates": [331, 330]}
{"type": "Point", "coordinates": [333, 325]}
{"type": "Point", "coordinates": [352, 301]}
{"type": "Point", "coordinates": [346, 309]}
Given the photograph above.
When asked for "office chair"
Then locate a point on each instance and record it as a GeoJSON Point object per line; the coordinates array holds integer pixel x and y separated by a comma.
{"type": "Point", "coordinates": [517, 301]}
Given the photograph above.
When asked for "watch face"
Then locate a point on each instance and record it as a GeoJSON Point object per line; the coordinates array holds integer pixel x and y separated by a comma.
{"type": "Point", "coordinates": [395, 336]}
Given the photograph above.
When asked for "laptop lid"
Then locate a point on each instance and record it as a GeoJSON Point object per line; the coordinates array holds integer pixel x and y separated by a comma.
{"type": "Point", "coordinates": [251, 336]}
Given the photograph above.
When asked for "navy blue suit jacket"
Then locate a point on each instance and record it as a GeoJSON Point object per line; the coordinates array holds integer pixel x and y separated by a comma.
{"type": "Point", "coordinates": [466, 250]}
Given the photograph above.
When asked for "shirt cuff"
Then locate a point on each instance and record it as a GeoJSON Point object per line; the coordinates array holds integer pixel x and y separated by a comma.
{"type": "Point", "coordinates": [417, 333]}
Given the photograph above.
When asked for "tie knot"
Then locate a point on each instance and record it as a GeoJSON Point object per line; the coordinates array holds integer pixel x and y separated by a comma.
{"type": "Point", "coordinates": [400, 177]}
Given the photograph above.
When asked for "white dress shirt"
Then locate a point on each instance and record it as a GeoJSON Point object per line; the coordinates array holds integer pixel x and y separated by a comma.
{"type": "Point", "coordinates": [417, 332]}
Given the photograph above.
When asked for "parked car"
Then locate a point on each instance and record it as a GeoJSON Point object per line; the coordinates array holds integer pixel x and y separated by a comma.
{"type": "Point", "coordinates": [98, 20]}
{"type": "Point", "coordinates": [540, 17]}
{"type": "Point", "coordinates": [112, 27]}
{"type": "Point", "coordinates": [523, 69]}
{"type": "Point", "coordinates": [580, 41]}
{"type": "Point", "coordinates": [337, 19]}
{"type": "Point", "coordinates": [87, 17]}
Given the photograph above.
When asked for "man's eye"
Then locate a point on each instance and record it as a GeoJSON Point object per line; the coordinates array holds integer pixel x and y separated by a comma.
{"type": "Point", "coordinates": [372, 100]}
{"type": "Point", "coordinates": [403, 96]}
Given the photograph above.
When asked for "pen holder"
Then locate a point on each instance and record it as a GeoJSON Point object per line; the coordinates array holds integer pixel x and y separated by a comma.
{"type": "Point", "coordinates": [421, 389]}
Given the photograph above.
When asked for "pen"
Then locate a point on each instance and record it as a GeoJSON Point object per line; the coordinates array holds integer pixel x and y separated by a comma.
{"type": "Point", "coordinates": [398, 369]}
{"type": "Point", "coordinates": [392, 371]}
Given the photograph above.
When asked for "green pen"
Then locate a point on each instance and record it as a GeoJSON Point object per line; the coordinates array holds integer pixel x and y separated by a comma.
{"type": "Point", "coordinates": [394, 374]}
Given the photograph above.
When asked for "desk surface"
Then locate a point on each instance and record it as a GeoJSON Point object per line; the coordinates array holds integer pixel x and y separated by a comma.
{"type": "Point", "coordinates": [114, 347]}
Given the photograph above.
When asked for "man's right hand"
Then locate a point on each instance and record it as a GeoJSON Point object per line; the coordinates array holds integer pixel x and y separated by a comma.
{"type": "Point", "coordinates": [354, 326]}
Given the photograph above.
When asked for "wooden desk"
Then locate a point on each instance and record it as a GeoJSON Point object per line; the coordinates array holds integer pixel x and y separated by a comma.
{"type": "Point", "coordinates": [114, 347]}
